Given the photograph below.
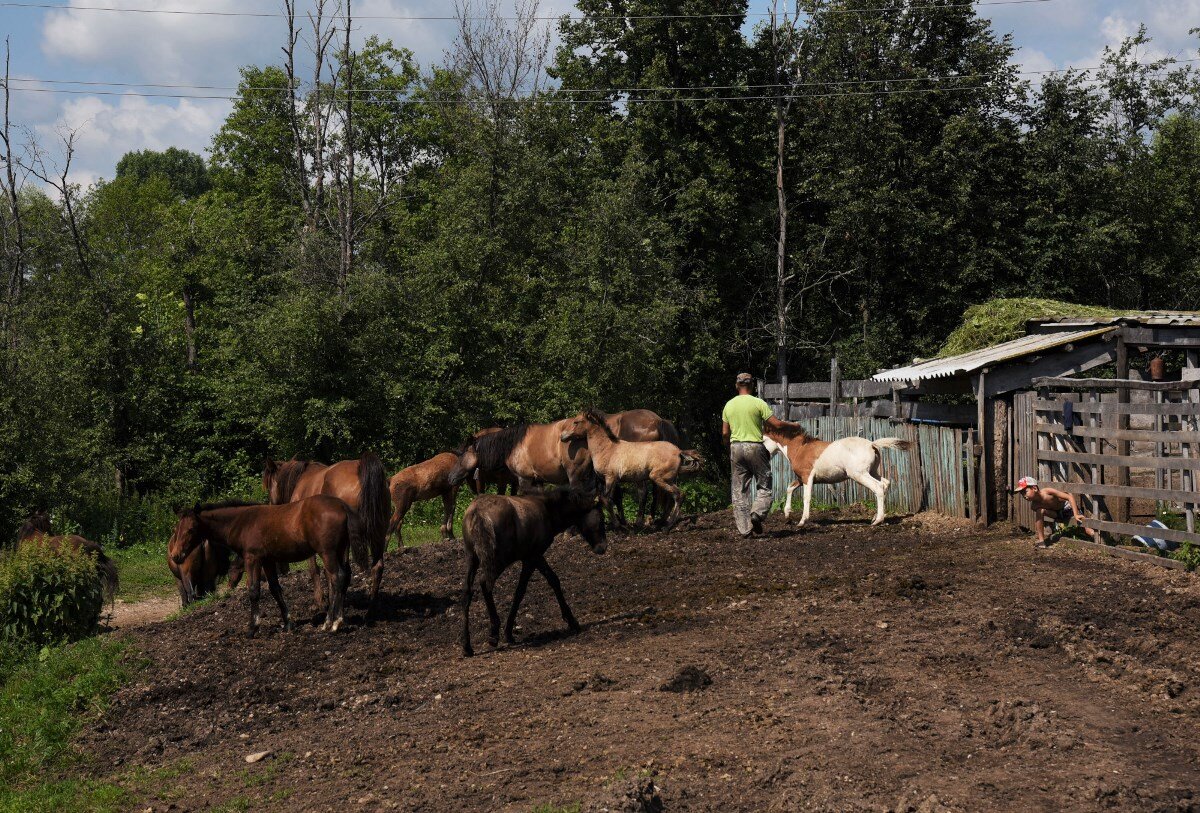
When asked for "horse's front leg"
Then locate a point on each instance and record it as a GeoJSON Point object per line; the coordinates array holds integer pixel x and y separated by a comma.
{"type": "Point", "coordinates": [551, 578]}
{"type": "Point", "coordinates": [254, 576]}
{"type": "Point", "coordinates": [808, 484]}
{"type": "Point", "coordinates": [449, 502]}
{"type": "Point", "coordinates": [518, 596]}
{"type": "Point", "coordinates": [277, 593]}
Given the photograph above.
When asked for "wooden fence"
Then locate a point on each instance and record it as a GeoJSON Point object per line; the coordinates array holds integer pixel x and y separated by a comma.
{"type": "Point", "coordinates": [933, 475]}
{"type": "Point", "coordinates": [1089, 454]}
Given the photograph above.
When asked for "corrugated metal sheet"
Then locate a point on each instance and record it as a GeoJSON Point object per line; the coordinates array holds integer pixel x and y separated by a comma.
{"type": "Point", "coordinates": [1184, 318]}
{"type": "Point", "coordinates": [978, 359]}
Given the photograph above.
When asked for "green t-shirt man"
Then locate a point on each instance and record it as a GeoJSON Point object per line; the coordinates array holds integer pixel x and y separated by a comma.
{"type": "Point", "coordinates": [746, 415]}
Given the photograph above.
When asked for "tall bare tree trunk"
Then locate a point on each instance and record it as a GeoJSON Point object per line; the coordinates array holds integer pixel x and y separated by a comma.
{"type": "Point", "coordinates": [14, 240]}
{"type": "Point", "coordinates": [348, 197]}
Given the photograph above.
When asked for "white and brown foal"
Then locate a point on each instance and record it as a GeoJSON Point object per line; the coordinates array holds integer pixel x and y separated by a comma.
{"type": "Point", "coordinates": [820, 461]}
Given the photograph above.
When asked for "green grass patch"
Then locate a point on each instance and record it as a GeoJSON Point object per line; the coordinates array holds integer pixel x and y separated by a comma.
{"type": "Point", "coordinates": [143, 570]}
{"type": "Point", "coordinates": [46, 696]}
{"type": "Point", "coordinates": [571, 808]}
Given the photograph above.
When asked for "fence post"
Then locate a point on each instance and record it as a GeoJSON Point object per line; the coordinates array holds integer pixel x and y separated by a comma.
{"type": "Point", "coordinates": [835, 386]}
{"type": "Point", "coordinates": [1123, 505]}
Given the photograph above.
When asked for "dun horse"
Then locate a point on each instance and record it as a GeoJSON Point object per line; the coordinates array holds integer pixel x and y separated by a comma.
{"type": "Point", "coordinates": [361, 484]}
{"type": "Point", "coordinates": [821, 461]}
{"type": "Point", "coordinates": [641, 426]}
{"type": "Point", "coordinates": [439, 476]}
{"type": "Point", "coordinates": [268, 537]}
{"type": "Point", "coordinates": [498, 531]}
{"type": "Point", "coordinates": [616, 461]}
{"type": "Point", "coordinates": [535, 453]}
{"type": "Point", "coordinates": [36, 530]}
{"type": "Point", "coordinates": [196, 577]}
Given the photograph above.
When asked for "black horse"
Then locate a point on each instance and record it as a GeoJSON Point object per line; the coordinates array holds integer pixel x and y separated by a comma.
{"type": "Point", "coordinates": [498, 531]}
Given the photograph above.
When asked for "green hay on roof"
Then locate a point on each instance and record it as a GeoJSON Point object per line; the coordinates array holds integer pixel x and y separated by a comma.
{"type": "Point", "coordinates": [1002, 320]}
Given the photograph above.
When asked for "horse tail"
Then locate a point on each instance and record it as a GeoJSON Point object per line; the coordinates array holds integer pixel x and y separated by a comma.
{"type": "Point", "coordinates": [669, 432]}
{"type": "Point", "coordinates": [374, 510]}
{"type": "Point", "coordinates": [892, 443]}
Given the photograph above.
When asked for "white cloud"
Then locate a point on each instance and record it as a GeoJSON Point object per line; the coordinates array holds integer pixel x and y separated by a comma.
{"type": "Point", "coordinates": [106, 130]}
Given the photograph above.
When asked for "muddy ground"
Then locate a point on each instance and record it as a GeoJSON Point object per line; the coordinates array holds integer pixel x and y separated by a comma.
{"type": "Point", "coordinates": [919, 666]}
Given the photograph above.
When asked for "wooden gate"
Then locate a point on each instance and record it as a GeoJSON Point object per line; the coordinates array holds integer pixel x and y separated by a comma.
{"type": "Point", "coordinates": [930, 476]}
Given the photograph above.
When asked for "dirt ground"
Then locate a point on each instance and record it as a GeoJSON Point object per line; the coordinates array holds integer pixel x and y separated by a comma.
{"type": "Point", "coordinates": [126, 615]}
{"type": "Point", "coordinates": [919, 666]}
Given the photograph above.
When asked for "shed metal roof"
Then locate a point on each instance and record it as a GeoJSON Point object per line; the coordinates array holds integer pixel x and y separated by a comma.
{"type": "Point", "coordinates": [1179, 318]}
{"type": "Point", "coordinates": [988, 356]}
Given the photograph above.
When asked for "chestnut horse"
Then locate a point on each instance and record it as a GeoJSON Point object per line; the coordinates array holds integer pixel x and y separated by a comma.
{"type": "Point", "coordinates": [498, 531]}
{"type": "Point", "coordinates": [36, 530]}
{"type": "Point", "coordinates": [822, 461]}
{"type": "Point", "coordinates": [534, 453]}
{"type": "Point", "coordinates": [361, 484]}
{"type": "Point", "coordinates": [267, 537]}
{"type": "Point", "coordinates": [196, 577]}
{"type": "Point", "coordinates": [439, 476]}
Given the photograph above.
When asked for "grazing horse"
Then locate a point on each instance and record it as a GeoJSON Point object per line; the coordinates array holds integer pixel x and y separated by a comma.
{"type": "Point", "coordinates": [821, 461]}
{"type": "Point", "coordinates": [268, 537]}
{"type": "Point", "coordinates": [36, 530]}
{"type": "Point", "coordinates": [197, 576]}
{"type": "Point", "coordinates": [616, 460]}
{"type": "Point", "coordinates": [498, 531]}
{"type": "Point", "coordinates": [535, 453]}
{"type": "Point", "coordinates": [502, 479]}
{"type": "Point", "coordinates": [361, 484]}
{"type": "Point", "coordinates": [439, 476]}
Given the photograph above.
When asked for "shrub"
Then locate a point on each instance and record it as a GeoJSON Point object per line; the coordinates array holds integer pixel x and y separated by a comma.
{"type": "Point", "coordinates": [1187, 553]}
{"type": "Point", "coordinates": [703, 496]}
{"type": "Point", "coordinates": [49, 596]}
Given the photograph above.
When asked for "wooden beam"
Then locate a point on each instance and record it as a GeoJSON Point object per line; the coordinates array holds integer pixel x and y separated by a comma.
{"type": "Point", "coordinates": [1054, 382]}
{"type": "Point", "coordinates": [1136, 492]}
{"type": "Point", "coordinates": [1151, 435]}
{"type": "Point", "coordinates": [1132, 529]}
{"type": "Point", "coordinates": [1053, 455]}
{"type": "Point", "coordinates": [1132, 555]}
{"type": "Point", "coordinates": [1018, 374]}
{"type": "Point", "coordinates": [985, 441]}
{"type": "Point", "coordinates": [1081, 408]}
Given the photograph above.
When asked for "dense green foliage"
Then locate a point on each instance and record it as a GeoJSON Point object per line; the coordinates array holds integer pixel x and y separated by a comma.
{"type": "Point", "coordinates": [49, 596]}
{"type": "Point", "coordinates": [508, 253]}
{"type": "Point", "coordinates": [44, 698]}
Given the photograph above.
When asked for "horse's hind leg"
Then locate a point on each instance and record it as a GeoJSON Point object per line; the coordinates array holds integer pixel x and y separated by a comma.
{"type": "Point", "coordinates": [876, 487]}
{"type": "Point", "coordinates": [551, 577]}
{"type": "Point", "coordinates": [277, 594]}
{"type": "Point", "coordinates": [486, 585]}
{"type": "Point", "coordinates": [518, 596]}
{"type": "Point", "coordinates": [464, 603]}
{"type": "Point", "coordinates": [314, 572]}
{"type": "Point", "coordinates": [254, 576]}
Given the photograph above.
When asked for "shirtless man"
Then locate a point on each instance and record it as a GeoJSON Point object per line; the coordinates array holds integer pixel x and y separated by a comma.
{"type": "Point", "coordinates": [1050, 503]}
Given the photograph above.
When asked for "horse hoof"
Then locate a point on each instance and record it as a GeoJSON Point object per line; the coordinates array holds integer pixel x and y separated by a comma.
{"type": "Point", "coordinates": [493, 642]}
{"type": "Point", "coordinates": [288, 626]}
{"type": "Point", "coordinates": [468, 652]}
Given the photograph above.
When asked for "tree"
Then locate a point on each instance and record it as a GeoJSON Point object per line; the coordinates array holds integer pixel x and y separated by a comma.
{"type": "Point", "coordinates": [184, 171]}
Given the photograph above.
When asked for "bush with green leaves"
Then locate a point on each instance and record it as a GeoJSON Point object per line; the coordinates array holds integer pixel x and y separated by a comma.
{"type": "Point", "coordinates": [49, 596]}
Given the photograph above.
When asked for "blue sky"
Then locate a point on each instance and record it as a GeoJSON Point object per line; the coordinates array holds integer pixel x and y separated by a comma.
{"type": "Point", "coordinates": [77, 44]}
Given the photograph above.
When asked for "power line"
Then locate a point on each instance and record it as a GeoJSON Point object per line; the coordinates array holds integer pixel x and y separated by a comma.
{"type": "Point", "coordinates": [447, 18]}
{"type": "Point", "coordinates": [609, 91]}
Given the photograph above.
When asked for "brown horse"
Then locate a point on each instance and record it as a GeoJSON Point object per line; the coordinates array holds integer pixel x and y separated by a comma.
{"type": "Point", "coordinates": [439, 476]}
{"type": "Point", "coordinates": [498, 531]}
{"type": "Point", "coordinates": [503, 479]}
{"type": "Point", "coordinates": [361, 484]}
{"type": "Point", "coordinates": [534, 453]}
{"type": "Point", "coordinates": [197, 576]}
{"type": "Point", "coordinates": [36, 530]}
{"type": "Point", "coordinates": [267, 537]}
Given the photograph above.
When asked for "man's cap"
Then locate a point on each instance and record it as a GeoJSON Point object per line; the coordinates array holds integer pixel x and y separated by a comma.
{"type": "Point", "coordinates": [745, 378]}
{"type": "Point", "coordinates": [1024, 483]}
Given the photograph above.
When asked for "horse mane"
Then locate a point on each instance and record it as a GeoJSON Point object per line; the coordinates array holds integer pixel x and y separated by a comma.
{"type": "Point", "coordinates": [288, 475]}
{"type": "Point", "coordinates": [465, 445]}
{"type": "Point", "coordinates": [493, 449]}
{"type": "Point", "coordinates": [215, 506]}
{"type": "Point", "coordinates": [791, 430]}
{"type": "Point", "coordinates": [36, 525]}
{"type": "Point", "coordinates": [600, 419]}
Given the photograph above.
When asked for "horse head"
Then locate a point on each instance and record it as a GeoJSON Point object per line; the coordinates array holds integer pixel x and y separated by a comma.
{"type": "Point", "coordinates": [188, 535]}
{"type": "Point", "coordinates": [467, 463]}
